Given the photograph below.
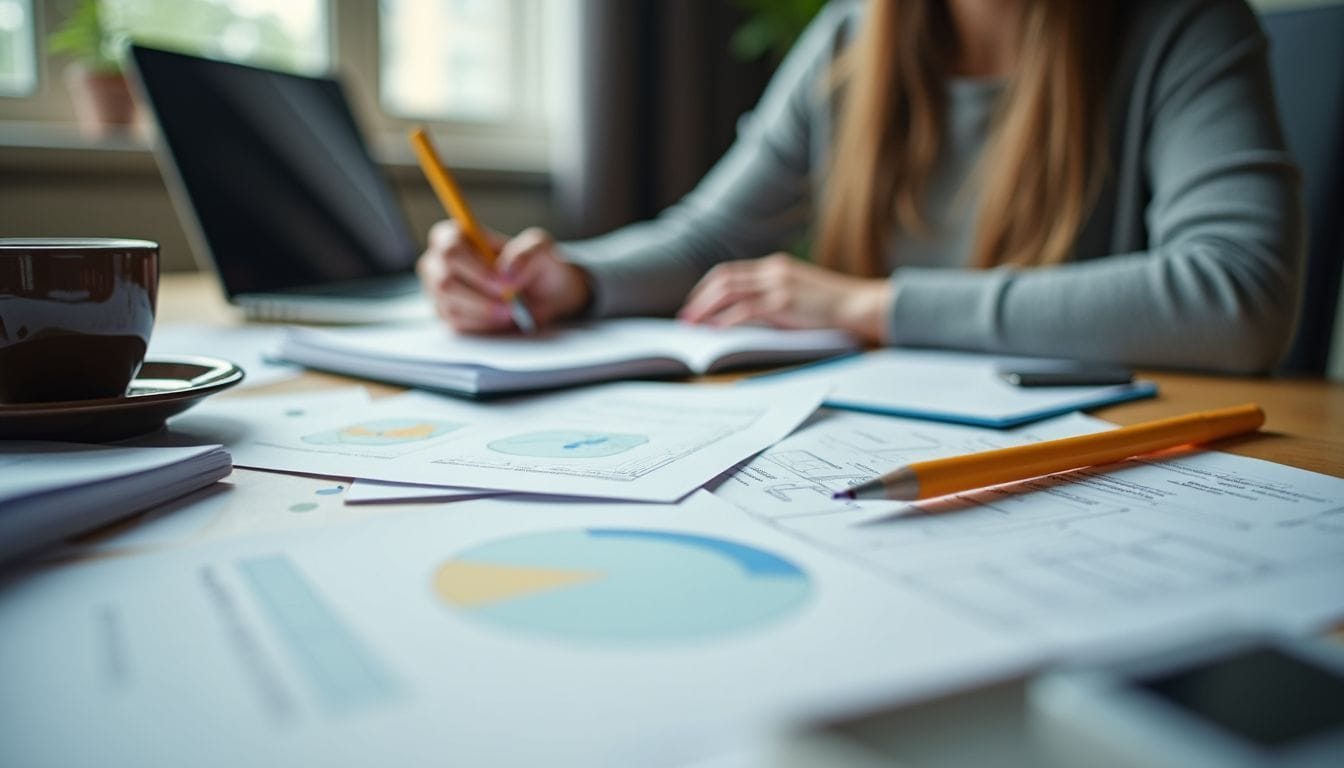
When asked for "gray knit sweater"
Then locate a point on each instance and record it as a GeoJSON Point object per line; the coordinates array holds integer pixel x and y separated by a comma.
{"type": "Point", "coordinates": [1192, 257]}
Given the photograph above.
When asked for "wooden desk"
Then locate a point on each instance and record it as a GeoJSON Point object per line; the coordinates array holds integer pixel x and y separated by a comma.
{"type": "Point", "coordinates": [987, 725]}
{"type": "Point", "coordinates": [1305, 417]}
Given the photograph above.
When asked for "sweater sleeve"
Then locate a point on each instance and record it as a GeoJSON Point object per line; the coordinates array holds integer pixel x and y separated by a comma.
{"type": "Point", "coordinates": [1217, 288]}
{"type": "Point", "coordinates": [755, 200]}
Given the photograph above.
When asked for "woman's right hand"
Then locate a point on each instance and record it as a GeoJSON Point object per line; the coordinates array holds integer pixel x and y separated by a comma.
{"type": "Point", "coordinates": [469, 296]}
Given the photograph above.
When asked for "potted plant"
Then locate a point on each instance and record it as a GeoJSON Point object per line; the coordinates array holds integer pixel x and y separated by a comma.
{"type": "Point", "coordinates": [771, 26]}
{"type": "Point", "coordinates": [98, 89]}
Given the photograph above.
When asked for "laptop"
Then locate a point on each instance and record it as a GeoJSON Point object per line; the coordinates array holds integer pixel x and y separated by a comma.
{"type": "Point", "coordinates": [278, 192]}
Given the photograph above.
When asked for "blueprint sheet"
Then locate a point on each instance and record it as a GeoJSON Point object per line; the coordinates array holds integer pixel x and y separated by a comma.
{"type": "Point", "coordinates": [1074, 556]}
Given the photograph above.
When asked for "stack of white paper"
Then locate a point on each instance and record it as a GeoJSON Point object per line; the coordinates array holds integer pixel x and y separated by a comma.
{"type": "Point", "coordinates": [49, 491]}
{"type": "Point", "coordinates": [349, 634]}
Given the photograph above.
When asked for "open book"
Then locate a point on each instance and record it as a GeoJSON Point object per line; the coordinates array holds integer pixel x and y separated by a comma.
{"type": "Point", "coordinates": [431, 356]}
{"type": "Point", "coordinates": [49, 491]}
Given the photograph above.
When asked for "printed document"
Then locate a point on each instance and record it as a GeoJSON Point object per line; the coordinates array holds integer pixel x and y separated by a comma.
{"type": "Point", "coordinates": [639, 441]}
{"type": "Point", "coordinates": [245, 504]}
{"type": "Point", "coordinates": [382, 492]}
{"type": "Point", "coordinates": [1076, 556]}
{"type": "Point", "coordinates": [369, 634]}
{"type": "Point", "coordinates": [487, 632]}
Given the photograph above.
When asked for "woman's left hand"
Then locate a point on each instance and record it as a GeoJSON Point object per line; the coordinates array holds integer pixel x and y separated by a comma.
{"type": "Point", "coordinates": [782, 291]}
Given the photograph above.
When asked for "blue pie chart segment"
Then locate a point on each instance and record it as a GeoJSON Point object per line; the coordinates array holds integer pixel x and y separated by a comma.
{"type": "Point", "coordinates": [629, 586]}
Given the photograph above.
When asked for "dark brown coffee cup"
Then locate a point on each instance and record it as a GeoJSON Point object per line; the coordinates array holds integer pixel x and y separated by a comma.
{"type": "Point", "coordinates": [75, 316]}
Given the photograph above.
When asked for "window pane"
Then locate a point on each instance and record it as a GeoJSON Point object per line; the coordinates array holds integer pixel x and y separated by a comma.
{"type": "Point", "coordinates": [18, 70]}
{"type": "Point", "coordinates": [281, 34]}
{"type": "Point", "coordinates": [447, 59]}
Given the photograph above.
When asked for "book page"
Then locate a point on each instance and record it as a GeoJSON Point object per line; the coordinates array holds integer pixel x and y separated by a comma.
{"type": "Point", "coordinates": [606, 342]}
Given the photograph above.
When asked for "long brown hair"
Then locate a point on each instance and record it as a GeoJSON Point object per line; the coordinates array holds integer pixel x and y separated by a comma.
{"type": "Point", "coordinates": [1042, 166]}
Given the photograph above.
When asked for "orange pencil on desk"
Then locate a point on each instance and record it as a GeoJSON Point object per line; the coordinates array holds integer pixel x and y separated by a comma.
{"type": "Point", "coordinates": [939, 477]}
{"type": "Point", "coordinates": [455, 203]}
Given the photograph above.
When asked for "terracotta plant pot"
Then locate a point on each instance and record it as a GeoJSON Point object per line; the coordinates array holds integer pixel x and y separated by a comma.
{"type": "Point", "coordinates": [102, 101]}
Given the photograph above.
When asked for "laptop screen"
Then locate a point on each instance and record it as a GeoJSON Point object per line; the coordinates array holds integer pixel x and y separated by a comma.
{"type": "Point", "coordinates": [277, 180]}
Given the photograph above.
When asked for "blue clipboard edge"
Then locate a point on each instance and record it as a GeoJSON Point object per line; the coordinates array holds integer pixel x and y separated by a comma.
{"type": "Point", "coordinates": [789, 371]}
{"type": "Point", "coordinates": [1139, 391]}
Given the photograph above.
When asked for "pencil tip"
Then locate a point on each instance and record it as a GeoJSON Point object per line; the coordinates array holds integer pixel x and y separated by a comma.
{"type": "Point", "coordinates": [848, 493]}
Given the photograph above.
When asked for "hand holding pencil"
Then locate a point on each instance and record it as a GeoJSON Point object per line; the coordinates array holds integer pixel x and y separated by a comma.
{"type": "Point", "coordinates": [482, 282]}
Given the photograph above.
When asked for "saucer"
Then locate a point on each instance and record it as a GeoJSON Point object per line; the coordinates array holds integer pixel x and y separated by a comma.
{"type": "Point", "coordinates": [166, 386]}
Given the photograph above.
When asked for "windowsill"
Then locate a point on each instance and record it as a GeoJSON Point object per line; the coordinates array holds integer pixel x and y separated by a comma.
{"type": "Point", "coordinates": [42, 147]}
{"type": "Point", "coordinates": [61, 148]}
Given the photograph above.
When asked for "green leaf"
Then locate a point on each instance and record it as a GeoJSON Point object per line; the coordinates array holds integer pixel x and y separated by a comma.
{"type": "Point", "coordinates": [771, 27]}
{"type": "Point", "coordinates": [84, 37]}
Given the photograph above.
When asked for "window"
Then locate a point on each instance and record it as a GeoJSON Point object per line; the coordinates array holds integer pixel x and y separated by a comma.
{"type": "Point", "coordinates": [18, 64]}
{"type": "Point", "coordinates": [446, 59]}
{"type": "Point", "coordinates": [470, 68]}
{"type": "Point", "coordinates": [473, 68]}
{"type": "Point", "coordinates": [281, 34]}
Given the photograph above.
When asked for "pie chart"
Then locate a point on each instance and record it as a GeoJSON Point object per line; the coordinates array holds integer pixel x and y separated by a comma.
{"type": "Point", "coordinates": [629, 586]}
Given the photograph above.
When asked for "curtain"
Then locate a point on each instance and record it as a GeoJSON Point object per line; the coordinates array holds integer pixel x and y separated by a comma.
{"type": "Point", "coordinates": [658, 96]}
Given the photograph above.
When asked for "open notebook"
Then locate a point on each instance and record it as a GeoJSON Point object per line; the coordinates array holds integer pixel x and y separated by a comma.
{"type": "Point", "coordinates": [430, 356]}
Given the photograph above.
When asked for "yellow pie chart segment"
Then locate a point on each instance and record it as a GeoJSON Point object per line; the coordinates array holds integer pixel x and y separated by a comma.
{"type": "Point", "coordinates": [467, 584]}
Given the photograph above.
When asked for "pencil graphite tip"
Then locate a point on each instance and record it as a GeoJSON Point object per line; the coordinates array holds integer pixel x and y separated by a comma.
{"type": "Point", "coordinates": [900, 484]}
{"type": "Point", "coordinates": [521, 316]}
{"type": "Point", "coordinates": [848, 493]}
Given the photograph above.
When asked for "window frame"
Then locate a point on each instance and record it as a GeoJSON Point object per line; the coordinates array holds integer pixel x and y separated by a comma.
{"type": "Point", "coordinates": [48, 102]}
{"type": "Point", "coordinates": [31, 6]}
{"type": "Point", "coordinates": [518, 142]}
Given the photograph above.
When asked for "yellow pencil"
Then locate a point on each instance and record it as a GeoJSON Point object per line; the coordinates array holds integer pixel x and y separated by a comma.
{"type": "Point", "coordinates": [455, 203]}
{"type": "Point", "coordinates": [939, 477]}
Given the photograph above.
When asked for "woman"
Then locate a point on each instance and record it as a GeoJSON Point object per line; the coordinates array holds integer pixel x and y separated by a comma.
{"type": "Point", "coordinates": [1101, 180]}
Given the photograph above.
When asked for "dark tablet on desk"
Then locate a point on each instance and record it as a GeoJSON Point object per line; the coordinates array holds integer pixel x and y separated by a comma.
{"type": "Point", "coordinates": [1229, 702]}
{"type": "Point", "coordinates": [1065, 374]}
